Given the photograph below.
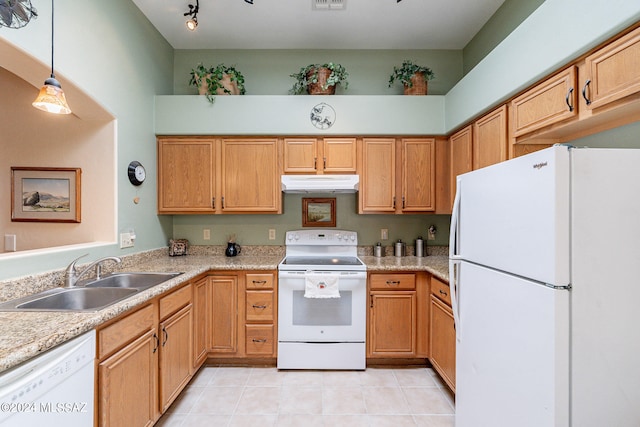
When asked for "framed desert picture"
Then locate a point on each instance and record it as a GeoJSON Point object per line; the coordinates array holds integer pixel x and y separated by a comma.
{"type": "Point", "coordinates": [318, 212]}
{"type": "Point", "coordinates": [45, 194]}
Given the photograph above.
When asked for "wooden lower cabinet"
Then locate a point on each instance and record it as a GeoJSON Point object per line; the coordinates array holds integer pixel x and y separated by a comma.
{"type": "Point", "coordinates": [145, 358]}
{"type": "Point", "coordinates": [442, 333]}
{"type": "Point", "coordinates": [176, 355]}
{"type": "Point", "coordinates": [397, 319]}
{"type": "Point", "coordinates": [128, 384]}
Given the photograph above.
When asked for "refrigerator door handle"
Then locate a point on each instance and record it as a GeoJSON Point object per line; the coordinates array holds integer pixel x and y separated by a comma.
{"type": "Point", "coordinates": [453, 232]}
{"type": "Point", "coordinates": [454, 267]}
{"type": "Point", "coordinates": [454, 261]}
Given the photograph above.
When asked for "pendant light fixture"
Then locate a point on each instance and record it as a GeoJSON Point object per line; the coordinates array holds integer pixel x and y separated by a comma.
{"type": "Point", "coordinates": [51, 97]}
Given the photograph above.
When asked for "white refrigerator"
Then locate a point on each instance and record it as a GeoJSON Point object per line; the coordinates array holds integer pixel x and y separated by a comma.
{"type": "Point", "coordinates": [545, 280]}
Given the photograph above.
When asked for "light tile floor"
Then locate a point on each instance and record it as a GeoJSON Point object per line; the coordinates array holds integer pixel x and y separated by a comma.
{"type": "Point", "coordinates": [264, 396]}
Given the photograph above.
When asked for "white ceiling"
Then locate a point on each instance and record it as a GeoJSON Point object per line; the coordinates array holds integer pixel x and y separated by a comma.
{"type": "Point", "coordinates": [292, 24]}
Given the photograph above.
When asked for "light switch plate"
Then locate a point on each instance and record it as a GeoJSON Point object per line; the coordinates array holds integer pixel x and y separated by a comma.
{"type": "Point", "coordinates": [272, 234]}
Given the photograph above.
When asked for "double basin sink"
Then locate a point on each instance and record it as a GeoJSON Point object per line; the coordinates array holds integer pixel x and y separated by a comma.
{"type": "Point", "coordinates": [92, 296]}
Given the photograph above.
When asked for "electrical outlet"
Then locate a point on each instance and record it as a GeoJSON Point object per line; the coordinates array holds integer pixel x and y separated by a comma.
{"type": "Point", "coordinates": [206, 234]}
{"type": "Point", "coordinates": [272, 234]}
{"type": "Point", "coordinates": [384, 234]}
{"type": "Point", "coordinates": [431, 232]}
{"type": "Point", "coordinates": [126, 241]}
{"type": "Point", "coordinates": [10, 242]}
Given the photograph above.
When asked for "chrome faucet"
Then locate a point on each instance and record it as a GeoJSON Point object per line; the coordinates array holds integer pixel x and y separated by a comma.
{"type": "Point", "coordinates": [72, 276]}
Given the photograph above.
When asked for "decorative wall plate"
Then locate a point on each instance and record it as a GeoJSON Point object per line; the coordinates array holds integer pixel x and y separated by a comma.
{"type": "Point", "coordinates": [323, 116]}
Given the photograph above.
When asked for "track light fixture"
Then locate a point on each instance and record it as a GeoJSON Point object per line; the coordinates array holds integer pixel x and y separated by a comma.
{"type": "Point", "coordinates": [192, 22]}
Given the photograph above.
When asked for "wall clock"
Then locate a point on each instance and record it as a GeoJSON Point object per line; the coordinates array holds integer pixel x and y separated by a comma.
{"type": "Point", "coordinates": [323, 116]}
{"type": "Point", "coordinates": [136, 173]}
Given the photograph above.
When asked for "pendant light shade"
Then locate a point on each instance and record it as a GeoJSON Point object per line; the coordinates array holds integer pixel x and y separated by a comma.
{"type": "Point", "coordinates": [51, 97]}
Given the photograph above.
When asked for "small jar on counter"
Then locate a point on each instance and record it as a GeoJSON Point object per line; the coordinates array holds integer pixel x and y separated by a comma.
{"type": "Point", "coordinates": [419, 248]}
{"type": "Point", "coordinates": [378, 250]}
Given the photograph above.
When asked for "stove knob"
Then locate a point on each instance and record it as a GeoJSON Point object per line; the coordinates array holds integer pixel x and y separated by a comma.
{"type": "Point", "coordinates": [339, 236]}
{"type": "Point", "coordinates": [353, 237]}
{"type": "Point", "coordinates": [295, 236]}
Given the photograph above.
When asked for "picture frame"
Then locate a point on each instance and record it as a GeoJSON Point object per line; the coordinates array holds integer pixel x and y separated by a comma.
{"type": "Point", "coordinates": [318, 212]}
{"type": "Point", "coordinates": [41, 194]}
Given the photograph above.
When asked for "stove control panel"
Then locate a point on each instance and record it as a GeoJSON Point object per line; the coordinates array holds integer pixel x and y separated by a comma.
{"type": "Point", "coordinates": [321, 237]}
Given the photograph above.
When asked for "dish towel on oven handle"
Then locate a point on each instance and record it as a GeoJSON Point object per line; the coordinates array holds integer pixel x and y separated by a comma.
{"type": "Point", "coordinates": [321, 285]}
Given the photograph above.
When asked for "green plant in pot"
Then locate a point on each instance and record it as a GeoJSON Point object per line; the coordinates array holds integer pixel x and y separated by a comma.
{"type": "Point", "coordinates": [319, 79]}
{"type": "Point", "coordinates": [219, 80]}
{"type": "Point", "coordinates": [413, 77]}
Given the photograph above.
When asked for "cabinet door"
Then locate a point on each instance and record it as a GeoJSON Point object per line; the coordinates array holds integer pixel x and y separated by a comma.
{"type": "Point", "coordinates": [418, 175]}
{"type": "Point", "coordinates": [378, 176]}
{"type": "Point", "coordinates": [128, 384]}
{"type": "Point", "coordinates": [186, 176]}
{"type": "Point", "coordinates": [552, 101]}
{"type": "Point", "coordinates": [300, 155]}
{"type": "Point", "coordinates": [490, 139]}
{"type": "Point", "coordinates": [461, 145]}
{"type": "Point", "coordinates": [201, 324]}
{"type": "Point", "coordinates": [339, 155]}
{"type": "Point", "coordinates": [224, 314]}
{"type": "Point", "coordinates": [443, 341]}
{"type": "Point", "coordinates": [176, 355]}
{"type": "Point", "coordinates": [251, 176]}
{"type": "Point", "coordinates": [613, 72]}
{"type": "Point", "coordinates": [392, 329]}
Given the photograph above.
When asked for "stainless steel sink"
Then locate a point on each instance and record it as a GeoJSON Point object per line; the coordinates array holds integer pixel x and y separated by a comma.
{"type": "Point", "coordinates": [139, 281]}
{"type": "Point", "coordinates": [69, 299]}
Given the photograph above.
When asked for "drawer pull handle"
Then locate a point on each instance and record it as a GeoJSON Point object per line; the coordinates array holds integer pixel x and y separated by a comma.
{"type": "Point", "coordinates": [259, 306]}
{"type": "Point", "coordinates": [259, 282]}
{"type": "Point", "coordinates": [442, 292]}
{"type": "Point", "coordinates": [259, 340]}
{"type": "Point", "coordinates": [393, 282]}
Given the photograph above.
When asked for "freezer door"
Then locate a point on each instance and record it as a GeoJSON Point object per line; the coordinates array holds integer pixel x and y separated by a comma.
{"type": "Point", "coordinates": [512, 355]}
{"type": "Point", "coordinates": [514, 216]}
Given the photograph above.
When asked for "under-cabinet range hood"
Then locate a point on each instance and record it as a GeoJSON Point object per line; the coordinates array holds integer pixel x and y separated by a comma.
{"type": "Point", "coordinates": [320, 183]}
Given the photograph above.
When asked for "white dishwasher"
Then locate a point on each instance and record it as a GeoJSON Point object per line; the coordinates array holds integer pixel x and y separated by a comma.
{"type": "Point", "coordinates": [54, 389]}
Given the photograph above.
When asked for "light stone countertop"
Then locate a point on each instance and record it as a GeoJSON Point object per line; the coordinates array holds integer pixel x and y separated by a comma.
{"type": "Point", "coordinates": [24, 335]}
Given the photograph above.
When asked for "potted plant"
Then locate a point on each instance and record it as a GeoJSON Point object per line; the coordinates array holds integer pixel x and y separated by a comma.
{"type": "Point", "coordinates": [319, 79]}
{"type": "Point", "coordinates": [219, 80]}
{"type": "Point", "coordinates": [413, 77]}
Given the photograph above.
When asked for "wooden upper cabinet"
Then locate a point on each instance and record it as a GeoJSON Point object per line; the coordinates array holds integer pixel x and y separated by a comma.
{"type": "Point", "coordinates": [461, 146]}
{"type": "Point", "coordinates": [378, 175]}
{"type": "Point", "coordinates": [612, 72]}
{"type": "Point", "coordinates": [418, 174]}
{"type": "Point", "coordinates": [250, 177]}
{"type": "Point", "coordinates": [490, 138]}
{"type": "Point", "coordinates": [339, 155]}
{"type": "Point", "coordinates": [550, 102]}
{"type": "Point", "coordinates": [186, 175]}
{"type": "Point", "coordinates": [324, 155]}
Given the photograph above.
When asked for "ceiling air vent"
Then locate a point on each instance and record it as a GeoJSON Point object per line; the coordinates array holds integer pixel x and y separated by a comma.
{"type": "Point", "coordinates": [328, 4]}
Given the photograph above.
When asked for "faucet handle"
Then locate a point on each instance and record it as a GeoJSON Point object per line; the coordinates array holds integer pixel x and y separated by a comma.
{"type": "Point", "coordinates": [72, 266]}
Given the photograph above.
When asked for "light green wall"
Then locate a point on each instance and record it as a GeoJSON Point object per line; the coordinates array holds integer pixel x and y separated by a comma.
{"type": "Point", "coordinates": [111, 51]}
{"type": "Point", "coordinates": [254, 229]}
{"type": "Point", "coordinates": [267, 72]}
{"type": "Point", "coordinates": [504, 21]}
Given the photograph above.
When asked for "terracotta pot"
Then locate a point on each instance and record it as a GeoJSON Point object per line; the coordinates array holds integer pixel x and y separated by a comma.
{"type": "Point", "coordinates": [316, 88]}
{"type": "Point", "coordinates": [419, 85]}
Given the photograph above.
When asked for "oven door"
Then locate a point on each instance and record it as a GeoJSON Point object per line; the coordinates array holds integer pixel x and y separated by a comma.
{"type": "Point", "coordinates": [303, 319]}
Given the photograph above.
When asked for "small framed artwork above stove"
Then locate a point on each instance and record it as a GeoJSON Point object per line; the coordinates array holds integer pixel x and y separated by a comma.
{"type": "Point", "coordinates": [318, 212]}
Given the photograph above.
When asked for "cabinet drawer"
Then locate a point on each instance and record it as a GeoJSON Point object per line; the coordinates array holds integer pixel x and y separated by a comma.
{"type": "Point", "coordinates": [393, 281]}
{"type": "Point", "coordinates": [260, 340]}
{"type": "Point", "coordinates": [123, 331]}
{"type": "Point", "coordinates": [260, 281]}
{"type": "Point", "coordinates": [175, 301]}
{"type": "Point", "coordinates": [441, 290]}
{"type": "Point", "coordinates": [259, 306]}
